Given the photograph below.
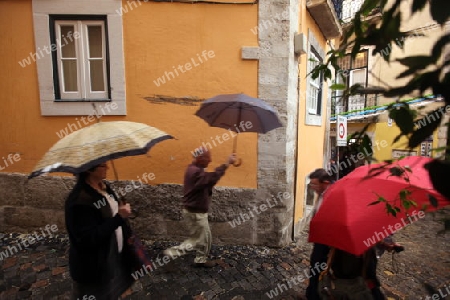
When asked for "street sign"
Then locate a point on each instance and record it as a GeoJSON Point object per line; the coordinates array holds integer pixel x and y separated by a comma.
{"type": "Point", "coordinates": [341, 137]}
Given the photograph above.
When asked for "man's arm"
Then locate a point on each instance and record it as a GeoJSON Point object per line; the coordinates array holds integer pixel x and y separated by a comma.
{"type": "Point", "coordinates": [204, 179]}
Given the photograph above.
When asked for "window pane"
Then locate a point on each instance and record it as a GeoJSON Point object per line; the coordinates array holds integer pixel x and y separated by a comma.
{"type": "Point", "coordinates": [344, 62]}
{"type": "Point", "coordinates": [360, 60]}
{"type": "Point", "coordinates": [95, 41]}
{"type": "Point", "coordinates": [96, 72]}
{"type": "Point", "coordinates": [358, 76]}
{"type": "Point", "coordinates": [70, 75]}
{"type": "Point", "coordinates": [67, 41]}
{"type": "Point", "coordinates": [313, 96]}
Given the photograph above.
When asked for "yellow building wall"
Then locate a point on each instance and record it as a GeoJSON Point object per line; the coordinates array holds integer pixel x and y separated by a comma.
{"type": "Point", "coordinates": [310, 138]}
{"type": "Point", "coordinates": [424, 33]}
{"type": "Point", "coordinates": [386, 134]}
{"type": "Point", "coordinates": [157, 38]}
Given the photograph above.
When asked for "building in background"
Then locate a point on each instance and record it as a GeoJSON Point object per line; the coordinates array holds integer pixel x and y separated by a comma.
{"type": "Point", "coordinates": [373, 71]}
{"type": "Point", "coordinates": [154, 62]}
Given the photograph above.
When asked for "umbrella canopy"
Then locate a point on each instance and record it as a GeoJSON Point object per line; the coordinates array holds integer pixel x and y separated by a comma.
{"type": "Point", "coordinates": [96, 144]}
{"type": "Point", "coordinates": [239, 113]}
{"type": "Point", "coordinates": [347, 221]}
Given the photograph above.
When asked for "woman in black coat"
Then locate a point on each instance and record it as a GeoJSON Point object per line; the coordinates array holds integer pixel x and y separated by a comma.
{"type": "Point", "coordinates": [94, 221]}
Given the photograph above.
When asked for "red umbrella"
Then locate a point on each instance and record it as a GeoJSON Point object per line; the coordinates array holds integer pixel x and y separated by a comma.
{"type": "Point", "coordinates": [347, 220]}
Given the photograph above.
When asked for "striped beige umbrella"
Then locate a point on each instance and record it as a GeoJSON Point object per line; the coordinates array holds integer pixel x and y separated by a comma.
{"type": "Point", "coordinates": [96, 144]}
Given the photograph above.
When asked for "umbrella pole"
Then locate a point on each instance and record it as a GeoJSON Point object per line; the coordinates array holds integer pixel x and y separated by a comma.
{"type": "Point", "coordinates": [114, 170]}
{"type": "Point", "coordinates": [122, 199]}
{"type": "Point", "coordinates": [238, 161]}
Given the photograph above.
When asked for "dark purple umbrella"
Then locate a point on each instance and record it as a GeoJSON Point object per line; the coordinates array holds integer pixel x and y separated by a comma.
{"type": "Point", "coordinates": [239, 113]}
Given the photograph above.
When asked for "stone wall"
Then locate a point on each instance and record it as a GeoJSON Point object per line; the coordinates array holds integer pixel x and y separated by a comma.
{"type": "Point", "coordinates": [278, 85]}
{"type": "Point", "coordinates": [28, 205]}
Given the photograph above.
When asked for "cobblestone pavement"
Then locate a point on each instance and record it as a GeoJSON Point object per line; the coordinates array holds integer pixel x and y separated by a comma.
{"type": "Point", "coordinates": [241, 273]}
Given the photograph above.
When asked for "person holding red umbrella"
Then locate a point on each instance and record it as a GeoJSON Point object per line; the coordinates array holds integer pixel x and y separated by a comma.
{"type": "Point", "coordinates": [319, 182]}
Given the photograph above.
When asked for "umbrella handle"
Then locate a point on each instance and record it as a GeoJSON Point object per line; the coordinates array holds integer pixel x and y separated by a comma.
{"type": "Point", "coordinates": [238, 162]}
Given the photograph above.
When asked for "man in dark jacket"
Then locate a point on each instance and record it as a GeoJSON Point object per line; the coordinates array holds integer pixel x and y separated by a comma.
{"type": "Point", "coordinates": [198, 186]}
{"type": "Point", "coordinates": [319, 182]}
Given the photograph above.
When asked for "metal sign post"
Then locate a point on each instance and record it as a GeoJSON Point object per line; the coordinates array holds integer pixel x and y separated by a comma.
{"type": "Point", "coordinates": [341, 138]}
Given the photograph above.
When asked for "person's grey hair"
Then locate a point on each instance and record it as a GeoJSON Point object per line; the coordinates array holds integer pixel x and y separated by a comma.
{"type": "Point", "coordinates": [199, 151]}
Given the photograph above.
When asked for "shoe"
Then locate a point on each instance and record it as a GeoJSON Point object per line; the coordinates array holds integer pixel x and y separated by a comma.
{"type": "Point", "coordinates": [208, 264]}
{"type": "Point", "coordinates": [167, 252]}
{"type": "Point", "coordinates": [398, 248]}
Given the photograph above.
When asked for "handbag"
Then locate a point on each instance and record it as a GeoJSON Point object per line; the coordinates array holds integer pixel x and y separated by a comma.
{"type": "Point", "coordinates": [333, 288]}
{"type": "Point", "coordinates": [137, 255]}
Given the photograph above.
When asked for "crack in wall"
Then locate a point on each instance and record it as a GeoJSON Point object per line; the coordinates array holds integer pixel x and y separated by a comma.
{"type": "Point", "coordinates": [185, 101]}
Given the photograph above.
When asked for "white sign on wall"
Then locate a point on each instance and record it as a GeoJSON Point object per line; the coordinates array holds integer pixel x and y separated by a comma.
{"type": "Point", "coordinates": [341, 136]}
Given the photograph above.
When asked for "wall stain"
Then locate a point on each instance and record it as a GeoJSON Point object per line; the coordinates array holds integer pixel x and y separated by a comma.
{"type": "Point", "coordinates": [186, 101]}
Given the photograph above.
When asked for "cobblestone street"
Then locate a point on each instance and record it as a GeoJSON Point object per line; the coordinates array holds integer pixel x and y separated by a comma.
{"type": "Point", "coordinates": [242, 272]}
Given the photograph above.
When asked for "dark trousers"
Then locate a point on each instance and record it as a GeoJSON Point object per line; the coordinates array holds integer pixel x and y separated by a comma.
{"type": "Point", "coordinates": [377, 293]}
{"type": "Point", "coordinates": [319, 255]}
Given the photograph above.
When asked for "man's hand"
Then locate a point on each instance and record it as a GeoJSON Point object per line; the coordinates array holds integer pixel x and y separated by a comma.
{"type": "Point", "coordinates": [232, 159]}
{"type": "Point", "coordinates": [125, 210]}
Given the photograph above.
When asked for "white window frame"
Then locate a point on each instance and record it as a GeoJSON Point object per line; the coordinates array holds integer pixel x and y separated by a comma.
{"type": "Point", "coordinates": [314, 107]}
{"type": "Point", "coordinates": [50, 106]}
{"type": "Point", "coordinates": [314, 87]}
{"type": "Point", "coordinates": [83, 58]}
{"type": "Point", "coordinates": [357, 97]}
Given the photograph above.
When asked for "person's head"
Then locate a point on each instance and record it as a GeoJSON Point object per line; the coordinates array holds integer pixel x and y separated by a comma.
{"type": "Point", "coordinates": [95, 173]}
{"type": "Point", "coordinates": [319, 180]}
{"type": "Point", "coordinates": [202, 157]}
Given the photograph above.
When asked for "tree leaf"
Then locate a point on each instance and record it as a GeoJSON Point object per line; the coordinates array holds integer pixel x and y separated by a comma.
{"type": "Point", "coordinates": [391, 210]}
{"type": "Point", "coordinates": [433, 200]}
{"type": "Point", "coordinates": [418, 61]}
{"type": "Point", "coordinates": [368, 6]}
{"type": "Point", "coordinates": [418, 5]}
{"type": "Point", "coordinates": [429, 79]}
{"type": "Point", "coordinates": [338, 86]}
{"type": "Point", "coordinates": [439, 10]}
{"type": "Point", "coordinates": [366, 146]}
{"type": "Point", "coordinates": [427, 125]}
{"type": "Point", "coordinates": [374, 202]}
{"type": "Point", "coordinates": [408, 72]}
{"type": "Point", "coordinates": [402, 90]}
{"type": "Point", "coordinates": [440, 45]}
{"type": "Point", "coordinates": [403, 118]}
{"type": "Point", "coordinates": [397, 138]}
{"type": "Point", "coordinates": [396, 171]}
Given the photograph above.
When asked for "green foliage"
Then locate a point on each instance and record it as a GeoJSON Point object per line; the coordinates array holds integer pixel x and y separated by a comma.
{"type": "Point", "coordinates": [431, 121]}
{"type": "Point", "coordinates": [423, 73]}
{"type": "Point", "coordinates": [433, 200]}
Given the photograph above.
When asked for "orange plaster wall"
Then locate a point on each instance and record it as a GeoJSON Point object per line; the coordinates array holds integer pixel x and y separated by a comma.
{"type": "Point", "coordinates": [157, 36]}
{"type": "Point", "coordinates": [310, 138]}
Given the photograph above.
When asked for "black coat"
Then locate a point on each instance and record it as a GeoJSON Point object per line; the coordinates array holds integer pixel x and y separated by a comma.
{"type": "Point", "coordinates": [91, 227]}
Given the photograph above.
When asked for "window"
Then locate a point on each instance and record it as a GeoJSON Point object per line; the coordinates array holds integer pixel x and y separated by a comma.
{"type": "Point", "coordinates": [314, 99]}
{"type": "Point", "coordinates": [352, 72]}
{"type": "Point", "coordinates": [314, 87]}
{"type": "Point", "coordinates": [80, 59]}
{"type": "Point", "coordinates": [86, 61]}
